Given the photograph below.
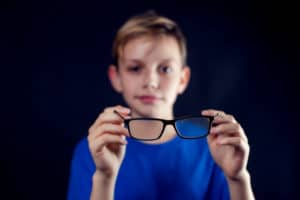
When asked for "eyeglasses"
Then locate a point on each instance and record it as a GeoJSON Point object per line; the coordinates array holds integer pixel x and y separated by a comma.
{"type": "Point", "coordinates": [187, 127]}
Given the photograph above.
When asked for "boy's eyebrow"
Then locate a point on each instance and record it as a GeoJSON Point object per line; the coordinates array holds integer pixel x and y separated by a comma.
{"type": "Point", "coordinates": [170, 60]}
{"type": "Point", "coordinates": [141, 61]}
{"type": "Point", "coordinates": [133, 60]}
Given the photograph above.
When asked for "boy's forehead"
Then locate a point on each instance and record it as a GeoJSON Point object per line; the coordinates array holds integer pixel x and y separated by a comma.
{"type": "Point", "coordinates": [148, 48]}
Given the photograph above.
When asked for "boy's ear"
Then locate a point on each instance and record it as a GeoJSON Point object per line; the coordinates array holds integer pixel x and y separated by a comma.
{"type": "Point", "coordinates": [114, 77]}
{"type": "Point", "coordinates": [184, 79]}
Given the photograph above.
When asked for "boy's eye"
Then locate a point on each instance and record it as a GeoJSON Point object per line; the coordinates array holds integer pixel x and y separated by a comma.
{"type": "Point", "coordinates": [165, 69]}
{"type": "Point", "coordinates": [136, 68]}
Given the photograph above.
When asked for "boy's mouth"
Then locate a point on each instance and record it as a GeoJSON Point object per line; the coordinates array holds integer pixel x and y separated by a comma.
{"type": "Point", "coordinates": [148, 99]}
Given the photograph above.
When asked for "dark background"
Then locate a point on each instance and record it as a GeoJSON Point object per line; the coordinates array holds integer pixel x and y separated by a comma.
{"type": "Point", "coordinates": [54, 57]}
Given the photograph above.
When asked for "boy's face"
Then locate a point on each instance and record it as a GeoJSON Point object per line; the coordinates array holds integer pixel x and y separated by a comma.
{"type": "Point", "coordinates": [150, 75]}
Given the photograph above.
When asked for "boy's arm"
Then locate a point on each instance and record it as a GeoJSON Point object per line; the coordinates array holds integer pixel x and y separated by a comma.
{"type": "Point", "coordinates": [106, 141]}
{"type": "Point", "coordinates": [102, 187]}
{"type": "Point", "coordinates": [229, 147]}
{"type": "Point", "coordinates": [241, 189]}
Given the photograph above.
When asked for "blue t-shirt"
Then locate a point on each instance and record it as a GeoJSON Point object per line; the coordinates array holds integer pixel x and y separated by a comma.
{"type": "Point", "coordinates": [178, 169]}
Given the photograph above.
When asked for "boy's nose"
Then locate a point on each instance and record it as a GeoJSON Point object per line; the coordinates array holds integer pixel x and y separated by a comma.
{"type": "Point", "coordinates": [151, 80]}
{"type": "Point", "coordinates": [151, 84]}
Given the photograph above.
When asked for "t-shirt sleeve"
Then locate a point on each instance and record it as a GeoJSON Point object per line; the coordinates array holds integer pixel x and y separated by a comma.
{"type": "Point", "coordinates": [218, 187]}
{"type": "Point", "coordinates": [81, 172]}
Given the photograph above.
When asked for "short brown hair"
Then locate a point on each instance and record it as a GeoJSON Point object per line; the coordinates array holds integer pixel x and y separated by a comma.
{"type": "Point", "coordinates": [148, 24]}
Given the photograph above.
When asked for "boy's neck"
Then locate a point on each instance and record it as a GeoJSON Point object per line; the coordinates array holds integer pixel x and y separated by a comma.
{"type": "Point", "coordinates": [161, 116]}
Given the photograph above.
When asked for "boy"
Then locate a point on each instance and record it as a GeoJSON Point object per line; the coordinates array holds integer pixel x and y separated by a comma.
{"type": "Point", "coordinates": [150, 71]}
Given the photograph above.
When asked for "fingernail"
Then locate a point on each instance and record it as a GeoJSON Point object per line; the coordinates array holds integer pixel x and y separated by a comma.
{"type": "Point", "coordinates": [213, 130]}
{"type": "Point", "coordinates": [125, 110]}
{"type": "Point", "coordinates": [124, 141]}
{"type": "Point", "coordinates": [204, 112]}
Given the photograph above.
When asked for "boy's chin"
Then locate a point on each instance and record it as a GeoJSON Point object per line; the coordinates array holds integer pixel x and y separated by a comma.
{"type": "Point", "coordinates": [145, 113]}
{"type": "Point", "coordinates": [149, 111]}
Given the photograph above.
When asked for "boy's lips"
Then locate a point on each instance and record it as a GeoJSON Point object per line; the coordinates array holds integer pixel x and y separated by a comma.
{"type": "Point", "coordinates": [148, 99]}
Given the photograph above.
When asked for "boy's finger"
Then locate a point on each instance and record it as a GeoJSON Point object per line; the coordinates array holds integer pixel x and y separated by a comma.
{"type": "Point", "coordinates": [106, 139]}
{"type": "Point", "coordinates": [224, 118]}
{"type": "Point", "coordinates": [110, 129]}
{"type": "Point", "coordinates": [229, 129]}
{"type": "Point", "coordinates": [234, 141]}
{"type": "Point", "coordinates": [219, 116]}
{"type": "Point", "coordinates": [108, 116]}
{"type": "Point", "coordinates": [119, 108]}
{"type": "Point", "coordinates": [212, 112]}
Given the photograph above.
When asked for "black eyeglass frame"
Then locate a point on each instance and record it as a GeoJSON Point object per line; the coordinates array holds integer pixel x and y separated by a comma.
{"type": "Point", "coordinates": [165, 123]}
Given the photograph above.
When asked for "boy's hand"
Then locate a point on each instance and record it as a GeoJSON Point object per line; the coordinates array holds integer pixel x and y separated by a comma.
{"type": "Point", "coordinates": [228, 145]}
{"type": "Point", "coordinates": [107, 142]}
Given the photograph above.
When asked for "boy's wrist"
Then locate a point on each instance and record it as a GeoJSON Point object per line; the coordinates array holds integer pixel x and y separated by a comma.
{"type": "Point", "coordinates": [243, 178]}
{"type": "Point", "coordinates": [103, 186]}
{"type": "Point", "coordinates": [101, 177]}
{"type": "Point", "coordinates": [240, 187]}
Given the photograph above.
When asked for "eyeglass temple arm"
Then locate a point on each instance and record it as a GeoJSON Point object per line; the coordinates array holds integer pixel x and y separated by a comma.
{"type": "Point", "coordinates": [119, 114]}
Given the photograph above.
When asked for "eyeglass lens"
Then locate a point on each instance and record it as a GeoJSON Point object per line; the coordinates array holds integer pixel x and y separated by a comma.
{"type": "Point", "coordinates": [137, 129]}
{"type": "Point", "coordinates": [193, 127]}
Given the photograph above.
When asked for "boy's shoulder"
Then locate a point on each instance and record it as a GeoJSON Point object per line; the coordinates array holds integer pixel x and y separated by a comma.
{"type": "Point", "coordinates": [82, 143]}
{"type": "Point", "coordinates": [81, 148]}
{"type": "Point", "coordinates": [82, 155]}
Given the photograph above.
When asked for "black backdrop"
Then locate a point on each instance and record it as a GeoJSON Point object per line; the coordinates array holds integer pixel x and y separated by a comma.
{"type": "Point", "coordinates": [54, 57]}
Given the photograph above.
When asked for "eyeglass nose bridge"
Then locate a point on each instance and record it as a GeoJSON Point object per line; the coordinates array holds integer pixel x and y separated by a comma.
{"type": "Point", "coordinates": [170, 122]}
